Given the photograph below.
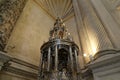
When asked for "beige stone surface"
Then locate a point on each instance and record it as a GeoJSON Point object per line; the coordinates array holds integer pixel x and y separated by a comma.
{"type": "Point", "coordinates": [8, 76]}
{"type": "Point", "coordinates": [72, 29]}
{"type": "Point", "coordinates": [30, 32]}
{"type": "Point", "coordinates": [110, 24]}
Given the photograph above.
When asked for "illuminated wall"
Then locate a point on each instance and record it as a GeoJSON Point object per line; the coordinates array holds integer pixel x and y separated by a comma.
{"type": "Point", "coordinates": [30, 32]}
{"type": "Point", "coordinates": [93, 34]}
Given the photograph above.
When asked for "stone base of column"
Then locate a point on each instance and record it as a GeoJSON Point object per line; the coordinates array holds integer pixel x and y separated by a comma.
{"type": "Point", "coordinates": [106, 67]}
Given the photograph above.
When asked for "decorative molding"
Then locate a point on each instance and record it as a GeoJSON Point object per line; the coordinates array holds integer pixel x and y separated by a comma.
{"type": "Point", "coordinates": [94, 37]}
{"type": "Point", "coordinates": [10, 11]}
{"type": "Point", "coordinates": [15, 60]}
{"type": "Point", "coordinates": [3, 60]}
{"type": "Point", "coordinates": [18, 67]}
{"type": "Point", "coordinates": [21, 72]}
{"type": "Point", "coordinates": [106, 67]}
{"type": "Point", "coordinates": [105, 52]}
{"type": "Point", "coordinates": [105, 60]}
{"type": "Point", "coordinates": [111, 25]}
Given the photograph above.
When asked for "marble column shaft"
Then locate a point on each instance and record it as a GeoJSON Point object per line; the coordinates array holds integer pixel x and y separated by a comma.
{"type": "Point", "coordinates": [10, 11]}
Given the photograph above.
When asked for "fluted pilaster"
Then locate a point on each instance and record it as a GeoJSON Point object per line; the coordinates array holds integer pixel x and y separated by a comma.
{"type": "Point", "coordinates": [81, 32]}
{"type": "Point", "coordinates": [111, 26]}
{"type": "Point", "coordinates": [95, 36]}
{"type": "Point", "coordinates": [10, 10]}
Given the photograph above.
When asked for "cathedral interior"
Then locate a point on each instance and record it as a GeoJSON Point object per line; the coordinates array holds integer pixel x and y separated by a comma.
{"type": "Point", "coordinates": [59, 39]}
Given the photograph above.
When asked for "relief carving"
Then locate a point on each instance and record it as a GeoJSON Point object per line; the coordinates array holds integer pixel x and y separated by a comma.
{"type": "Point", "coordinates": [10, 11]}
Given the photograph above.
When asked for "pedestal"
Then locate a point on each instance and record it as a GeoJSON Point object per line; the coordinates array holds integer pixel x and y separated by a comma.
{"type": "Point", "coordinates": [106, 67]}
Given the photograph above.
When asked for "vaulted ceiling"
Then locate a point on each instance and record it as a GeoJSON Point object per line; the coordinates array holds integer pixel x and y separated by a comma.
{"type": "Point", "coordinates": [57, 8]}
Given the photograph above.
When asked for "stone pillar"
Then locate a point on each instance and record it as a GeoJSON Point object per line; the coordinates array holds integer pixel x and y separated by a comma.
{"type": "Point", "coordinates": [10, 11]}
{"type": "Point", "coordinates": [95, 37]}
{"type": "Point", "coordinates": [111, 26]}
{"type": "Point", "coordinates": [85, 43]}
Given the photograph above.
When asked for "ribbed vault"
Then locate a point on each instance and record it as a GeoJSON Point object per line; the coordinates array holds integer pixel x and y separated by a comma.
{"type": "Point", "coordinates": [57, 8]}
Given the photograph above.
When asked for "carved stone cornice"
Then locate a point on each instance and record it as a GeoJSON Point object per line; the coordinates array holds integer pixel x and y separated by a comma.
{"type": "Point", "coordinates": [105, 52]}
{"type": "Point", "coordinates": [10, 11]}
{"type": "Point", "coordinates": [21, 72]}
{"type": "Point", "coordinates": [105, 60]}
{"type": "Point", "coordinates": [106, 66]}
{"type": "Point", "coordinates": [17, 66]}
{"type": "Point", "coordinates": [3, 60]}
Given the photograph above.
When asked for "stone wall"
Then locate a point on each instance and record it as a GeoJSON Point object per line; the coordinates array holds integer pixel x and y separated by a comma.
{"type": "Point", "coordinates": [10, 10]}
{"type": "Point", "coordinates": [31, 31]}
{"type": "Point", "coordinates": [108, 14]}
{"type": "Point", "coordinates": [23, 39]}
{"type": "Point", "coordinates": [9, 76]}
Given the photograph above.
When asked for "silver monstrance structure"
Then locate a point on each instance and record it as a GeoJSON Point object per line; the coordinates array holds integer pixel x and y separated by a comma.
{"type": "Point", "coordinates": [59, 56]}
